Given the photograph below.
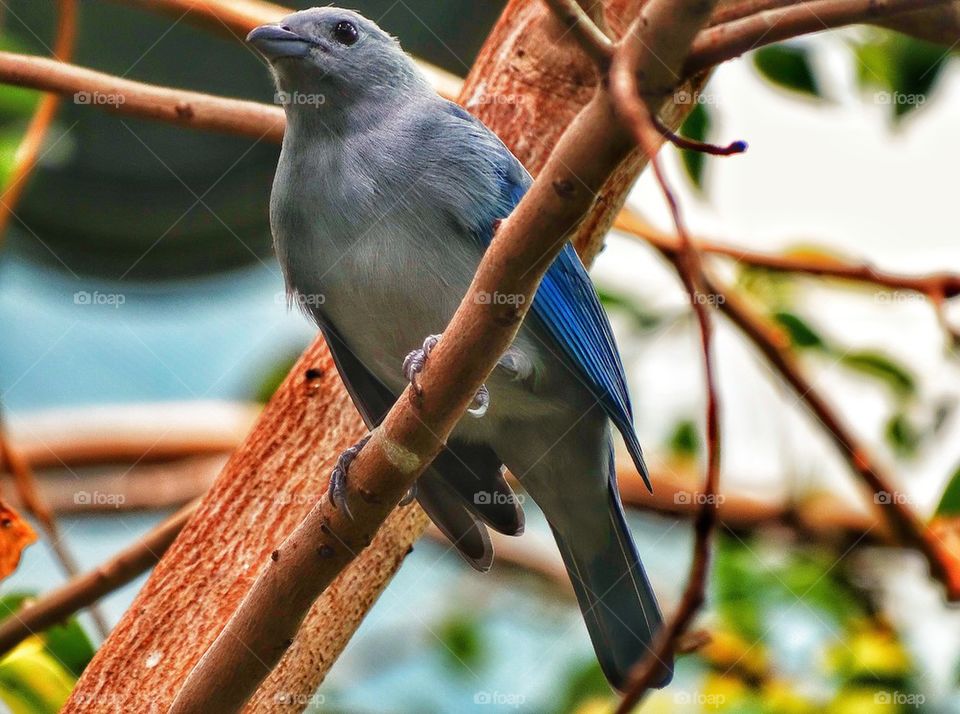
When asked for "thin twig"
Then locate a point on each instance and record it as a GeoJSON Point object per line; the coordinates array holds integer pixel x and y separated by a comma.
{"type": "Point", "coordinates": [632, 63]}
{"type": "Point", "coordinates": [591, 38]}
{"type": "Point", "coordinates": [932, 285]}
{"type": "Point", "coordinates": [682, 142]}
{"type": "Point", "coordinates": [26, 484]}
{"type": "Point", "coordinates": [86, 589]}
{"type": "Point", "coordinates": [944, 564]}
{"type": "Point", "coordinates": [730, 11]}
{"type": "Point", "coordinates": [25, 158]}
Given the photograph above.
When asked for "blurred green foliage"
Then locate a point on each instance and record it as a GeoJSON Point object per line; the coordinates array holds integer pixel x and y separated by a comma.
{"type": "Point", "coordinates": [787, 66]}
{"type": "Point", "coordinates": [38, 675]}
{"type": "Point", "coordinates": [461, 642]}
{"type": "Point", "coordinates": [642, 318]}
{"type": "Point", "coordinates": [684, 441]}
{"type": "Point", "coordinates": [697, 127]}
{"type": "Point", "coordinates": [903, 69]}
{"type": "Point", "coordinates": [892, 69]}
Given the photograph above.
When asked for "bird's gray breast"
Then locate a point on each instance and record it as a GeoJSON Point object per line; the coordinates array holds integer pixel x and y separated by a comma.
{"type": "Point", "coordinates": [367, 253]}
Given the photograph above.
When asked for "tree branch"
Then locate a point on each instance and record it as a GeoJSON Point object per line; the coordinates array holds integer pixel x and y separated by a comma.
{"type": "Point", "coordinates": [944, 564]}
{"type": "Point", "coordinates": [130, 98]}
{"type": "Point", "coordinates": [727, 41]}
{"type": "Point", "coordinates": [84, 590]}
{"type": "Point", "coordinates": [935, 286]}
{"type": "Point", "coordinates": [591, 38]}
{"type": "Point", "coordinates": [25, 158]}
{"type": "Point", "coordinates": [651, 53]}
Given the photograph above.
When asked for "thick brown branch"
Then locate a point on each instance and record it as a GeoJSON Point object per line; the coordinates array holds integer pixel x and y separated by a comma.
{"type": "Point", "coordinates": [727, 41]}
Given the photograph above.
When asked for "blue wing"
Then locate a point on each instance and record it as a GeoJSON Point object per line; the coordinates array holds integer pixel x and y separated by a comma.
{"type": "Point", "coordinates": [567, 305]}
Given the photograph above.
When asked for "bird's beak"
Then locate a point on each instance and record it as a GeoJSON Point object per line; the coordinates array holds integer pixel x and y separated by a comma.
{"type": "Point", "coordinates": [274, 42]}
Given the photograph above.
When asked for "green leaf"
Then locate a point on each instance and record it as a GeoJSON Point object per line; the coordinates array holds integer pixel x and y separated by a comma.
{"type": "Point", "coordinates": [16, 102]}
{"type": "Point", "coordinates": [754, 577]}
{"type": "Point", "coordinates": [879, 366]}
{"type": "Point", "coordinates": [902, 68]}
{"type": "Point", "coordinates": [32, 681]}
{"type": "Point", "coordinates": [787, 66]}
{"type": "Point", "coordinates": [684, 440]}
{"type": "Point", "coordinates": [769, 287]}
{"type": "Point", "coordinates": [463, 645]}
{"type": "Point", "coordinates": [801, 334]}
{"type": "Point", "coordinates": [950, 501]}
{"type": "Point", "coordinates": [66, 642]}
{"type": "Point", "coordinates": [584, 682]}
{"type": "Point", "coordinates": [644, 319]}
{"type": "Point", "coordinates": [697, 127]}
{"type": "Point", "coordinates": [902, 436]}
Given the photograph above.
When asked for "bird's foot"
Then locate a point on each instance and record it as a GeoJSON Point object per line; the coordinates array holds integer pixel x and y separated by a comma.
{"type": "Point", "coordinates": [414, 362]}
{"type": "Point", "coordinates": [516, 364]}
{"type": "Point", "coordinates": [410, 495]}
{"type": "Point", "coordinates": [337, 490]}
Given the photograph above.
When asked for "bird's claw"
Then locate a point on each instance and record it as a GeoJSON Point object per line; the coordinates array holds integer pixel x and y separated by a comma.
{"type": "Point", "coordinates": [337, 490]}
{"type": "Point", "coordinates": [410, 495]}
{"type": "Point", "coordinates": [413, 365]}
{"type": "Point", "coordinates": [480, 403]}
{"type": "Point", "coordinates": [414, 361]}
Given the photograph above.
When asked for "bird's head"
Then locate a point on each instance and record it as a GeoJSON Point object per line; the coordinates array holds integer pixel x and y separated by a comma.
{"type": "Point", "coordinates": [328, 58]}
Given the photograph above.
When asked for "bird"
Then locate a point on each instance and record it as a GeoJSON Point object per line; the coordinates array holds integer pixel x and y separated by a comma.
{"type": "Point", "coordinates": [384, 200]}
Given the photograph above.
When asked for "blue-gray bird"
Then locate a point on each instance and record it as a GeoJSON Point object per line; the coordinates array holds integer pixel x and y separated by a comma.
{"type": "Point", "coordinates": [385, 199]}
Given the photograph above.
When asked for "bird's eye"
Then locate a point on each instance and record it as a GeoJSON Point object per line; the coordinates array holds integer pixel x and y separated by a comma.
{"type": "Point", "coordinates": [345, 33]}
